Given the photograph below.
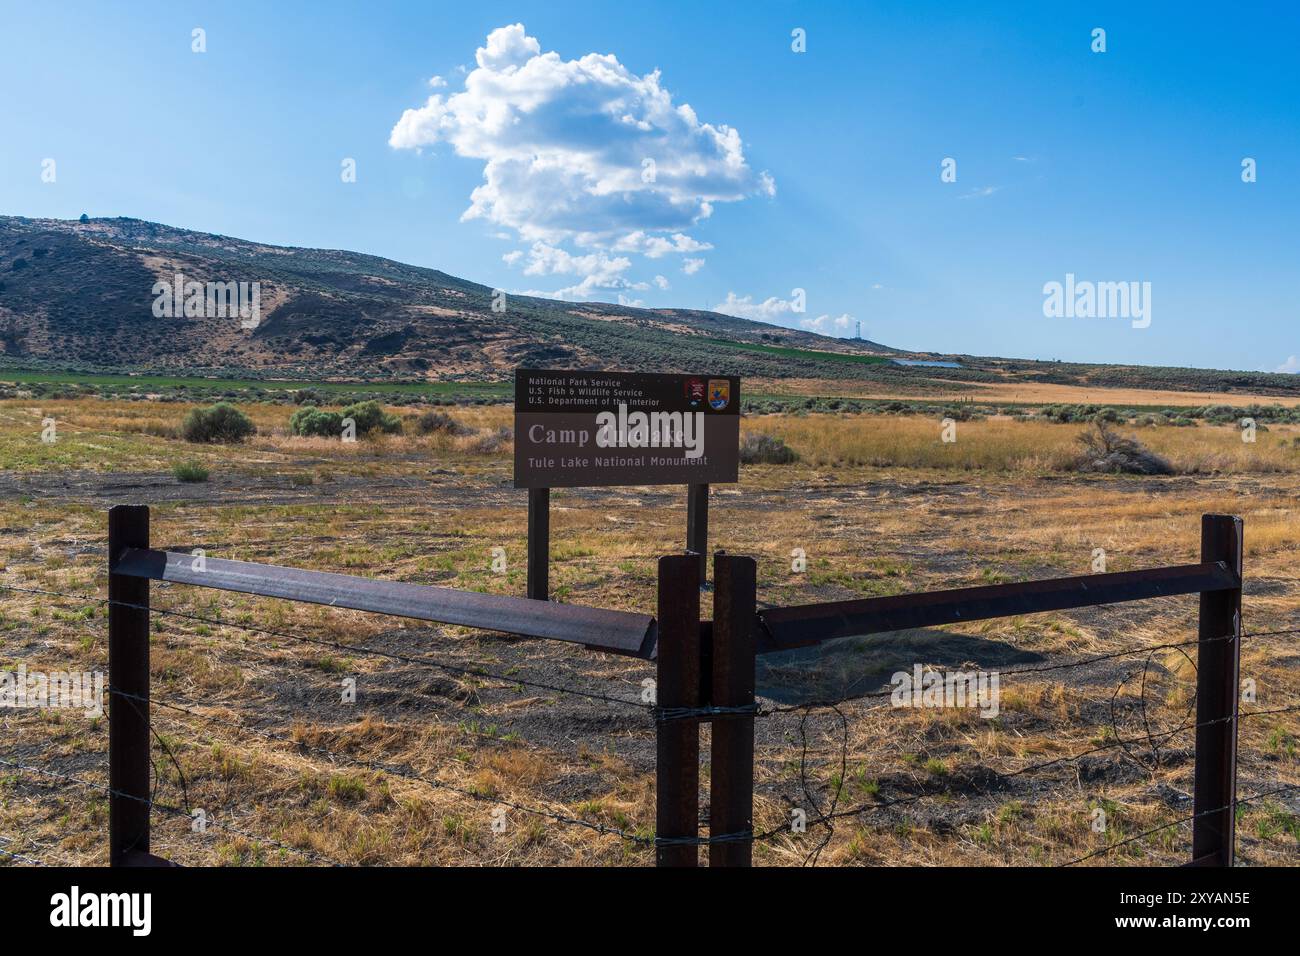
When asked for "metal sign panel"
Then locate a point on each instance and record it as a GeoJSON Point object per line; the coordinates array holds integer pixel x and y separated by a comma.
{"type": "Point", "coordinates": [592, 429]}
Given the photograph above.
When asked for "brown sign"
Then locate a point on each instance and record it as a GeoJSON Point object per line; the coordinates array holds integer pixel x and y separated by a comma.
{"type": "Point", "coordinates": [576, 429]}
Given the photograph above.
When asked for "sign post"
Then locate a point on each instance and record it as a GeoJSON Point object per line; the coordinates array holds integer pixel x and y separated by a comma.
{"type": "Point", "coordinates": [697, 525]}
{"type": "Point", "coordinates": [539, 543]}
{"type": "Point", "coordinates": [601, 429]}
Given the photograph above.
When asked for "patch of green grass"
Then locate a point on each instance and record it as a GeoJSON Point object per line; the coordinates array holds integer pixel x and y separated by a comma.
{"type": "Point", "coordinates": [1277, 820]}
{"type": "Point", "coordinates": [346, 788]}
{"type": "Point", "coordinates": [864, 784]}
{"type": "Point", "coordinates": [1011, 811]}
{"type": "Point", "coordinates": [457, 828]}
{"type": "Point", "coordinates": [21, 376]}
{"type": "Point", "coordinates": [332, 665]}
{"type": "Point", "coordinates": [190, 471]}
{"type": "Point", "coordinates": [1281, 742]}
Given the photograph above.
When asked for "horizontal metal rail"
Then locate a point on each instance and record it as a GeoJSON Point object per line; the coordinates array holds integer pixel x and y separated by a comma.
{"type": "Point", "coordinates": [808, 624]}
{"type": "Point", "coordinates": [616, 632]}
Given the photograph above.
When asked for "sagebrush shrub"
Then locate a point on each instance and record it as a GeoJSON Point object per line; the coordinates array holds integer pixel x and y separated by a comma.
{"type": "Point", "coordinates": [432, 423]}
{"type": "Point", "coordinates": [1105, 450]}
{"type": "Point", "coordinates": [218, 424]}
{"type": "Point", "coordinates": [766, 450]}
{"type": "Point", "coordinates": [310, 420]}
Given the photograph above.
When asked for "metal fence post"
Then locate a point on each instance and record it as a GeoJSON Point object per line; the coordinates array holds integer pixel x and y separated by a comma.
{"type": "Point", "coordinates": [1217, 679]}
{"type": "Point", "coordinates": [697, 526]}
{"type": "Point", "coordinates": [731, 772]}
{"type": "Point", "coordinates": [128, 672]}
{"type": "Point", "coordinates": [677, 742]}
{"type": "Point", "coordinates": [539, 543]}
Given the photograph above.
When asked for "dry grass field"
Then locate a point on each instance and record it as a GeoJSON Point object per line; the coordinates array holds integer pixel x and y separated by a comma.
{"type": "Point", "coordinates": [878, 504]}
{"type": "Point", "coordinates": [1012, 392]}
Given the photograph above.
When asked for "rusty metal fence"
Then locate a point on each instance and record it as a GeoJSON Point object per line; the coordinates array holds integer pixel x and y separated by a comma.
{"type": "Point", "coordinates": [706, 673]}
{"type": "Point", "coordinates": [740, 631]}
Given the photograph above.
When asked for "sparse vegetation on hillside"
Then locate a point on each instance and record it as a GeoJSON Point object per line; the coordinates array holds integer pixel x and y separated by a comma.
{"type": "Point", "coordinates": [348, 315]}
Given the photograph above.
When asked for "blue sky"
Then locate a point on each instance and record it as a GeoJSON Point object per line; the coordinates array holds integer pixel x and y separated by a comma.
{"type": "Point", "coordinates": [1117, 166]}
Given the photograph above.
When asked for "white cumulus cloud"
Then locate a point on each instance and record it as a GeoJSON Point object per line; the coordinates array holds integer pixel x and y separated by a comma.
{"type": "Point", "coordinates": [655, 247]}
{"type": "Point", "coordinates": [583, 151]}
{"type": "Point", "coordinates": [827, 324]}
{"type": "Point", "coordinates": [770, 309]}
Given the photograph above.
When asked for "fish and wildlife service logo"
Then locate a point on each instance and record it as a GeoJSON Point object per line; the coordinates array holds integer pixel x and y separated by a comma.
{"type": "Point", "coordinates": [695, 392]}
{"type": "Point", "coordinates": [719, 393]}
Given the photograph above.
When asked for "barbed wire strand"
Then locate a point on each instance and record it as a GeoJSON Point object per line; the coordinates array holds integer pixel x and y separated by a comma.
{"type": "Point", "coordinates": [393, 771]}
{"type": "Point", "coordinates": [827, 819]}
{"type": "Point", "coordinates": [824, 818]}
{"type": "Point", "coordinates": [473, 672]}
{"type": "Point", "coordinates": [21, 858]}
{"type": "Point", "coordinates": [1187, 819]}
{"type": "Point", "coordinates": [168, 808]}
{"type": "Point", "coordinates": [1084, 662]}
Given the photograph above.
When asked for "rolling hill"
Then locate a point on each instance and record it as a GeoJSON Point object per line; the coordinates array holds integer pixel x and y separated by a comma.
{"type": "Point", "coordinates": [79, 295]}
{"type": "Point", "coordinates": [82, 293]}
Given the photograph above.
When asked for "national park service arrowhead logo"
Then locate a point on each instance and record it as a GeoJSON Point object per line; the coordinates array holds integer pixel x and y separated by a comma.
{"type": "Point", "coordinates": [719, 393]}
{"type": "Point", "coordinates": [695, 391]}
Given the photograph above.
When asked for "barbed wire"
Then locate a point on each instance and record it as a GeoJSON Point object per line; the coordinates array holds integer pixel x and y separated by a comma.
{"type": "Point", "coordinates": [168, 808]}
{"type": "Point", "coordinates": [476, 672]}
{"type": "Point", "coordinates": [824, 817]}
{"type": "Point", "coordinates": [1286, 630]}
{"type": "Point", "coordinates": [21, 858]}
{"type": "Point", "coordinates": [391, 770]}
{"type": "Point", "coordinates": [1015, 672]}
{"type": "Point", "coordinates": [1150, 738]}
{"type": "Point", "coordinates": [133, 699]}
{"type": "Point", "coordinates": [32, 846]}
{"type": "Point", "coordinates": [827, 819]}
{"type": "Point", "coordinates": [1238, 801]}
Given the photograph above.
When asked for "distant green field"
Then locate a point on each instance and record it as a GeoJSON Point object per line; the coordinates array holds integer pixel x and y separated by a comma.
{"type": "Point", "coordinates": [151, 382]}
{"type": "Point", "coordinates": [809, 354]}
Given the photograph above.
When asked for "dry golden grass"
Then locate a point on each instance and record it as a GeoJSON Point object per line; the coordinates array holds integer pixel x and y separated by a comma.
{"type": "Point", "coordinates": [1003, 444]}
{"type": "Point", "coordinates": [1013, 392]}
{"type": "Point", "coordinates": [875, 505]}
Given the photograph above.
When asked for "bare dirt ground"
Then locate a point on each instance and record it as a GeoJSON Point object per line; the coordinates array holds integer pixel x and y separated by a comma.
{"type": "Point", "coordinates": [434, 754]}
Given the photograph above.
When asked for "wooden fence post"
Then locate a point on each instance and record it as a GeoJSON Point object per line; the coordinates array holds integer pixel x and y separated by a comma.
{"type": "Point", "coordinates": [731, 772]}
{"type": "Point", "coordinates": [677, 742]}
{"type": "Point", "coordinates": [128, 672]}
{"type": "Point", "coordinates": [697, 526]}
{"type": "Point", "coordinates": [539, 543]}
{"type": "Point", "coordinates": [1217, 679]}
